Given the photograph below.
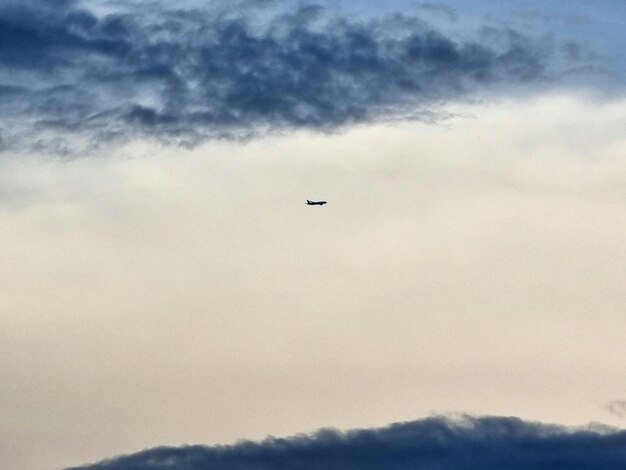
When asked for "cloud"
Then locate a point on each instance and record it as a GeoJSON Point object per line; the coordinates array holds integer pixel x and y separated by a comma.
{"type": "Point", "coordinates": [617, 408]}
{"type": "Point", "coordinates": [440, 9]}
{"type": "Point", "coordinates": [433, 443]}
{"type": "Point", "coordinates": [69, 76]}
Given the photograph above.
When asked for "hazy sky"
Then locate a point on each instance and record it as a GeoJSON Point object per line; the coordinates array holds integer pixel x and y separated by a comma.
{"type": "Point", "coordinates": [162, 281]}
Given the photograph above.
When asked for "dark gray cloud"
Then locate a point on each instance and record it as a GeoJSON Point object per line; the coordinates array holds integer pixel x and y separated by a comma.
{"type": "Point", "coordinates": [188, 75]}
{"type": "Point", "coordinates": [491, 443]}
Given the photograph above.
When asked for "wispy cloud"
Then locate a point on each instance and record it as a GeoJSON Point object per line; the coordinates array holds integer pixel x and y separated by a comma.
{"type": "Point", "coordinates": [442, 443]}
{"type": "Point", "coordinates": [441, 9]}
{"type": "Point", "coordinates": [188, 75]}
{"type": "Point", "coordinates": [617, 408]}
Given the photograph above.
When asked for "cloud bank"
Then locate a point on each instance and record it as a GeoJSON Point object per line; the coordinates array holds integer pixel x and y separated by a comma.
{"type": "Point", "coordinates": [433, 443]}
{"type": "Point", "coordinates": [190, 75]}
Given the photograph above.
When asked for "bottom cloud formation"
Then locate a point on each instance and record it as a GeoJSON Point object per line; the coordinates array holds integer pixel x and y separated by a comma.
{"type": "Point", "coordinates": [436, 443]}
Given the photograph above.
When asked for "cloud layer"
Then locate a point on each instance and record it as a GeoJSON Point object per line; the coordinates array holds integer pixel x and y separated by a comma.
{"type": "Point", "coordinates": [189, 75]}
{"type": "Point", "coordinates": [433, 443]}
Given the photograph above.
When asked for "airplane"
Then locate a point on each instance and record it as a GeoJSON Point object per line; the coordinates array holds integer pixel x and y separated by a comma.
{"type": "Point", "coordinates": [315, 203]}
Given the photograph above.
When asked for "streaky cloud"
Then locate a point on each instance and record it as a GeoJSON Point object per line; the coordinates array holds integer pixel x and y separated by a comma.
{"type": "Point", "coordinates": [183, 76]}
{"type": "Point", "coordinates": [434, 443]}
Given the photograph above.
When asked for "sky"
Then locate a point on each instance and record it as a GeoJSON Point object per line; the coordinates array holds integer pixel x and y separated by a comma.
{"type": "Point", "coordinates": [167, 299]}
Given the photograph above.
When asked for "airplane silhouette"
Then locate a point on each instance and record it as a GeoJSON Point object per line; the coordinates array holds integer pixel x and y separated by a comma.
{"type": "Point", "coordinates": [315, 203]}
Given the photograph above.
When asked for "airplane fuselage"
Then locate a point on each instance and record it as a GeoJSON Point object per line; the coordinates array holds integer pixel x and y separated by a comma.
{"type": "Point", "coordinates": [315, 203]}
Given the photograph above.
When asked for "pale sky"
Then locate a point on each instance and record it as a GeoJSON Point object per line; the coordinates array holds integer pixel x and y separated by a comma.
{"type": "Point", "coordinates": [162, 294]}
